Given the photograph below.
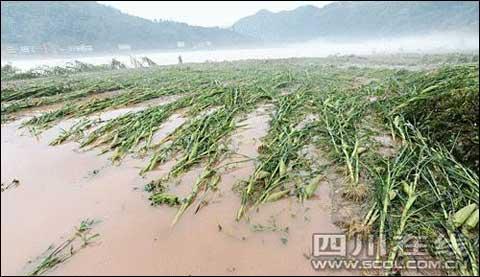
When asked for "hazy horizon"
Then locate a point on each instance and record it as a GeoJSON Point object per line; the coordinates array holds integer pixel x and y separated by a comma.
{"type": "Point", "coordinates": [439, 43]}
{"type": "Point", "coordinates": [343, 29]}
{"type": "Point", "coordinates": [204, 13]}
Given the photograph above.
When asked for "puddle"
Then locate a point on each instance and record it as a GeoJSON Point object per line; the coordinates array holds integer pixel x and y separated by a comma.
{"type": "Point", "coordinates": [136, 238]}
{"type": "Point", "coordinates": [170, 125]}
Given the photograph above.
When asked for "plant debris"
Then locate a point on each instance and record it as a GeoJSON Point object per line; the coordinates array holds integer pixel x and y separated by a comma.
{"type": "Point", "coordinates": [65, 250]}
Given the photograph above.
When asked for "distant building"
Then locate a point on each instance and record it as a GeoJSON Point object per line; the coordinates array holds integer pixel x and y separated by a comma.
{"type": "Point", "coordinates": [203, 44]}
{"type": "Point", "coordinates": [37, 49]}
{"type": "Point", "coordinates": [86, 48]}
{"type": "Point", "coordinates": [26, 49]}
{"type": "Point", "coordinates": [180, 44]}
{"type": "Point", "coordinates": [82, 48]}
{"type": "Point", "coordinates": [124, 47]}
{"type": "Point", "coordinates": [49, 48]}
{"type": "Point", "coordinates": [11, 50]}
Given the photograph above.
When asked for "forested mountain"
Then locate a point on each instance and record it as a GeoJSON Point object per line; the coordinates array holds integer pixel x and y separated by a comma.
{"type": "Point", "coordinates": [71, 23]}
{"type": "Point", "coordinates": [369, 19]}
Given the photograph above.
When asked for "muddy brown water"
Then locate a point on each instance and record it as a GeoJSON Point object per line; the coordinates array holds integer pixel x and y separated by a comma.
{"type": "Point", "coordinates": [60, 186]}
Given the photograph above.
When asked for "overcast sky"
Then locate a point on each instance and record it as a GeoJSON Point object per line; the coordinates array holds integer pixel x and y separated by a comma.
{"type": "Point", "coordinates": [205, 13]}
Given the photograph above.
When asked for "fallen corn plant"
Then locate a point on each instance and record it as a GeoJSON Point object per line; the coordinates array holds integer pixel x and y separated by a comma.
{"type": "Point", "coordinates": [202, 139]}
{"type": "Point", "coordinates": [133, 93]}
{"type": "Point", "coordinates": [13, 184]}
{"type": "Point", "coordinates": [123, 134]}
{"type": "Point", "coordinates": [67, 249]}
{"type": "Point", "coordinates": [437, 190]}
{"type": "Point", "coordinates": [278, 153]}
{"type": "Point", "coordinates": [426, 182]}
{"type": "Point", "coordinates": [203, 136]}
{"type": "Point", "coordinates": [340, 114]}
{"type": "Point", "coordinates": [443, 105]}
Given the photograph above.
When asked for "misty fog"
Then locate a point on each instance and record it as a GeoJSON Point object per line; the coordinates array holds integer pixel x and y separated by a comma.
{"type": "Point", "coordinates": [432, 44]}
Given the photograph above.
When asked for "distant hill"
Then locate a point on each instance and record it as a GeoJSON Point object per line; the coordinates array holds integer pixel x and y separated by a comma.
{"type": "Point", "coordinates": [354, 20]}
{"type": "Point", "coordinates": [73, 23]}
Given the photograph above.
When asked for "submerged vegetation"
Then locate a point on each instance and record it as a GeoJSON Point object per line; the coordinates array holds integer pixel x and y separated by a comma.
{"type": "Point", "coordinates": [426, 186]}
{"type": "Point", "coordinates": [66, 249]}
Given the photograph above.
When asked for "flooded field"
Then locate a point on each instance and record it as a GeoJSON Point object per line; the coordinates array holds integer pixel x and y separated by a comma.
{"type": "Point", "coordinates": [66, 185]}
{"type": "Point", "coordinates": [230, 168]}
{"type": "Point", "coordinates": [61, 186]}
